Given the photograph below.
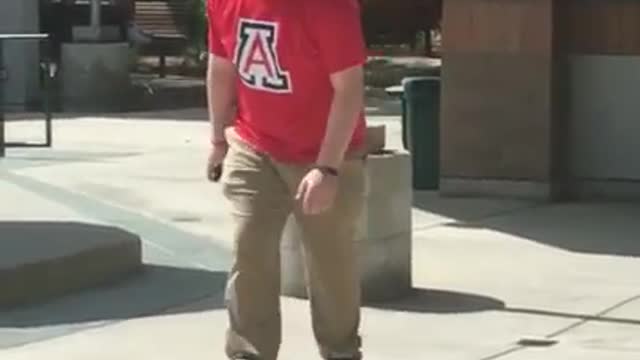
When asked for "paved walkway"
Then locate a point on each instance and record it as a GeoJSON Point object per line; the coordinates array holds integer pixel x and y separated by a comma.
{"type": "Point", "coordinates": [486, 273]}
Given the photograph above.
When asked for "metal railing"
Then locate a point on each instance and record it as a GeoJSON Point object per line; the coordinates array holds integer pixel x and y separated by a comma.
{"type": "Point", "coordinates": [49, 73]}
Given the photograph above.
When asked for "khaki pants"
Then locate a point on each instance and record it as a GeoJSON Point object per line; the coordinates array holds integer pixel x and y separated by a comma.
{"type": "Point", "coordinates": [262, 192]}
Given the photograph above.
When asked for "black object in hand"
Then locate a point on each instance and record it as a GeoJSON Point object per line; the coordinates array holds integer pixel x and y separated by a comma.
{"type": "Point", "coordinates": [216, 173]}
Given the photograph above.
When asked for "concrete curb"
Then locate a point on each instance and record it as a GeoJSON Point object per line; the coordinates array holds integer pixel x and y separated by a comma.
{"type": "Point", "coordinates": [384, 236]}
{"type": "Point", "coordinates": [42, 260]}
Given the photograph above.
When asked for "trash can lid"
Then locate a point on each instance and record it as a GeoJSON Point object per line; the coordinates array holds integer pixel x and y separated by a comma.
{"type": "Point", "coordinates": [420, 86]}
{"type": "Point", "coordinates": [413, 79]}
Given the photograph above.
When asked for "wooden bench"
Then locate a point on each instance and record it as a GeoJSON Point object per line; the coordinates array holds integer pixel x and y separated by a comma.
{"type": "Point", "coordinates": [166, 23]}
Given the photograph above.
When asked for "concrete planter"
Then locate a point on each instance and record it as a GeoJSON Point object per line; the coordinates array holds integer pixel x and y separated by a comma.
{"type": "Point", "coordinates": [95, 77]}
{"type": "Point", "coordinates": [384, 234]}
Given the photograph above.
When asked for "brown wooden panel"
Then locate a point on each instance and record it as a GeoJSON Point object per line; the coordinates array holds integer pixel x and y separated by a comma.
{"type": "Point", "coordinates": [497, 107]}
{"type": "Point", "coordinates": [162, 17]}
{"type": "Point", "coordinates": [504, 26]}
{"type": "Point", "coordinates": [601, 26]}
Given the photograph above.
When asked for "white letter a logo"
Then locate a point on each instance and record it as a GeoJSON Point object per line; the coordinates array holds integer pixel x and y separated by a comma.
{"type": "Point", "coordinates": [257, 59]}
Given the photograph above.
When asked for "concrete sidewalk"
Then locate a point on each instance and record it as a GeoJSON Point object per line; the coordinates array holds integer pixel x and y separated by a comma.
{"type": "Point", "coordinates": [486, 272]}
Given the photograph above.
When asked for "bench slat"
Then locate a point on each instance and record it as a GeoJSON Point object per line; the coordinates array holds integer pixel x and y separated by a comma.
{"type": "Point", "coordinates": [162, 10]}
{"type": "Point", "coordinates": [159, 21]}
{"type": "Point", "coordinates": [166, 21]}
{"type": "Point", "coordinates": [154, 18]}
{"type": "Point", "coordinates": [161, 6]}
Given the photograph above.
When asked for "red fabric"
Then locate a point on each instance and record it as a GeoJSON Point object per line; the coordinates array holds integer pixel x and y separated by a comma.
{"type": "Point", "coordinates": [285, 52]}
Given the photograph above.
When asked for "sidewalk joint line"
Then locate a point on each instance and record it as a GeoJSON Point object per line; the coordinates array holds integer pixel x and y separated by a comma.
{"type": "Point", "coordinates": [598, 315]}
{"type": "Point", "coordinates": [585, 319]}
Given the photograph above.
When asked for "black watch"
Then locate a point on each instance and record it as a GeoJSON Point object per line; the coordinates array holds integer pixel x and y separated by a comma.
{"type": "Point", "coordinates": [327, 170]}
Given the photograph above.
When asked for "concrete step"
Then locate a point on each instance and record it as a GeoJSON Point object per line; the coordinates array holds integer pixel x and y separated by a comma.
{"type": "Point", "coordinates": [42, 260]}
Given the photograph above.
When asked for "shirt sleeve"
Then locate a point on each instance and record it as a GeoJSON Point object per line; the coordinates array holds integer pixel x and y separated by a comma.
{"type": "Point", "coordinates": [215, 42]}
{"type": "Point", "coordinates": [337, 31]}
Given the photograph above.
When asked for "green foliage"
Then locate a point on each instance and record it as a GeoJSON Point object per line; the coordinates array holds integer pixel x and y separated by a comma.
{"type": "Point", "coordinates": [198, 26]}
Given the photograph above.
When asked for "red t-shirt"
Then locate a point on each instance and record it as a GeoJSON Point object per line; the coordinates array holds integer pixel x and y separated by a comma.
{"type": "Point", "coordinates": [284, 52]}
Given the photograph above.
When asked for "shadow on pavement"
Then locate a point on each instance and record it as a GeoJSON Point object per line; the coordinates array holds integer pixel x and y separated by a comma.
{"type": "Point", "coordinates": [592, 228]}
{"type": "Point", "coordinates": [441, 302]}
{"type": "Point", "coordinates": [448, 302]}
{"type": "Point", "coordinates": [156, 289]}
{"type": "Point", "coordinates": [62, 272]}
{"type": "Point", "coordinates": [604, 229]}
{"type": "Point", "coordinates": [463, 210]}
{"type": "Point", "coordinates": [57, 278]}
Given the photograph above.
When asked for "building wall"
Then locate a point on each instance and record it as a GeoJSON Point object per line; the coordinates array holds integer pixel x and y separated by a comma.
{"type": "Point", "coordinates": [603, 48]}
{"type": "Point", "coordinates": [497, 96]}
{"type": "Point", "coordinates": [606, 27]}
{"type": "Point", "coordinates": [605, 121]}
{"type": "Point", "coordinates": [539, 97]}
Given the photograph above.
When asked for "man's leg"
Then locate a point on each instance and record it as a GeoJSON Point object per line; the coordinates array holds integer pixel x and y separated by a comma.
{"type": "Point", "coordinates": [331, 257]}
{"type": "Point", "coordinates": [261, 204]}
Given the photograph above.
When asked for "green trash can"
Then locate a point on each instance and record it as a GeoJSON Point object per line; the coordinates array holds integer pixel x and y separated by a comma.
{"type": "Point", "coordinates": [421, 130]}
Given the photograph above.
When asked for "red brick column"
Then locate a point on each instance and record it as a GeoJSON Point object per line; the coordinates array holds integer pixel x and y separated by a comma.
{"type": "Point", "coordinates": [501, 124]}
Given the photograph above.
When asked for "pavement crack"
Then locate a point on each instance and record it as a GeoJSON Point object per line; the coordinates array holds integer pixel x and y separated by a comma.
{"type": "Point", "coordinates": [504, 353]}
{"type": "Point", "coordinates": [583, 317]}
{"type": "Point", "coordinates": [597, 317]}
{"type": "Point", "coordinates": [600, 316]}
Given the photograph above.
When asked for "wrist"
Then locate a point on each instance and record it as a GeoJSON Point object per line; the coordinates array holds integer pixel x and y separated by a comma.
{"type": "Point", "coordinates": [329, 157]}
{"type": "Point", "coordinates": [327, 170]}
{"type": "Point", "coordinates": [218, 142]}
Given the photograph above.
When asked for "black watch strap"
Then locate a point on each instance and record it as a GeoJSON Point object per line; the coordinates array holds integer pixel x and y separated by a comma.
{"type": "Point", "coordinates": [327, 170]}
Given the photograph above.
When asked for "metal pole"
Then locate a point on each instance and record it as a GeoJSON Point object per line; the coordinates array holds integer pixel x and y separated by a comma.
{"type": "Point", "coordinates": [96, 8]}
{"type": "Point", "coordinates": [47, 91]}
{"type": "Point", "coordinates": [3, 76]}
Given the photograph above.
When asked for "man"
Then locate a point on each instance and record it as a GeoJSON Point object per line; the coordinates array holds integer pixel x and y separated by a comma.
{"type": "Point", "coordinates": [285, 84]}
